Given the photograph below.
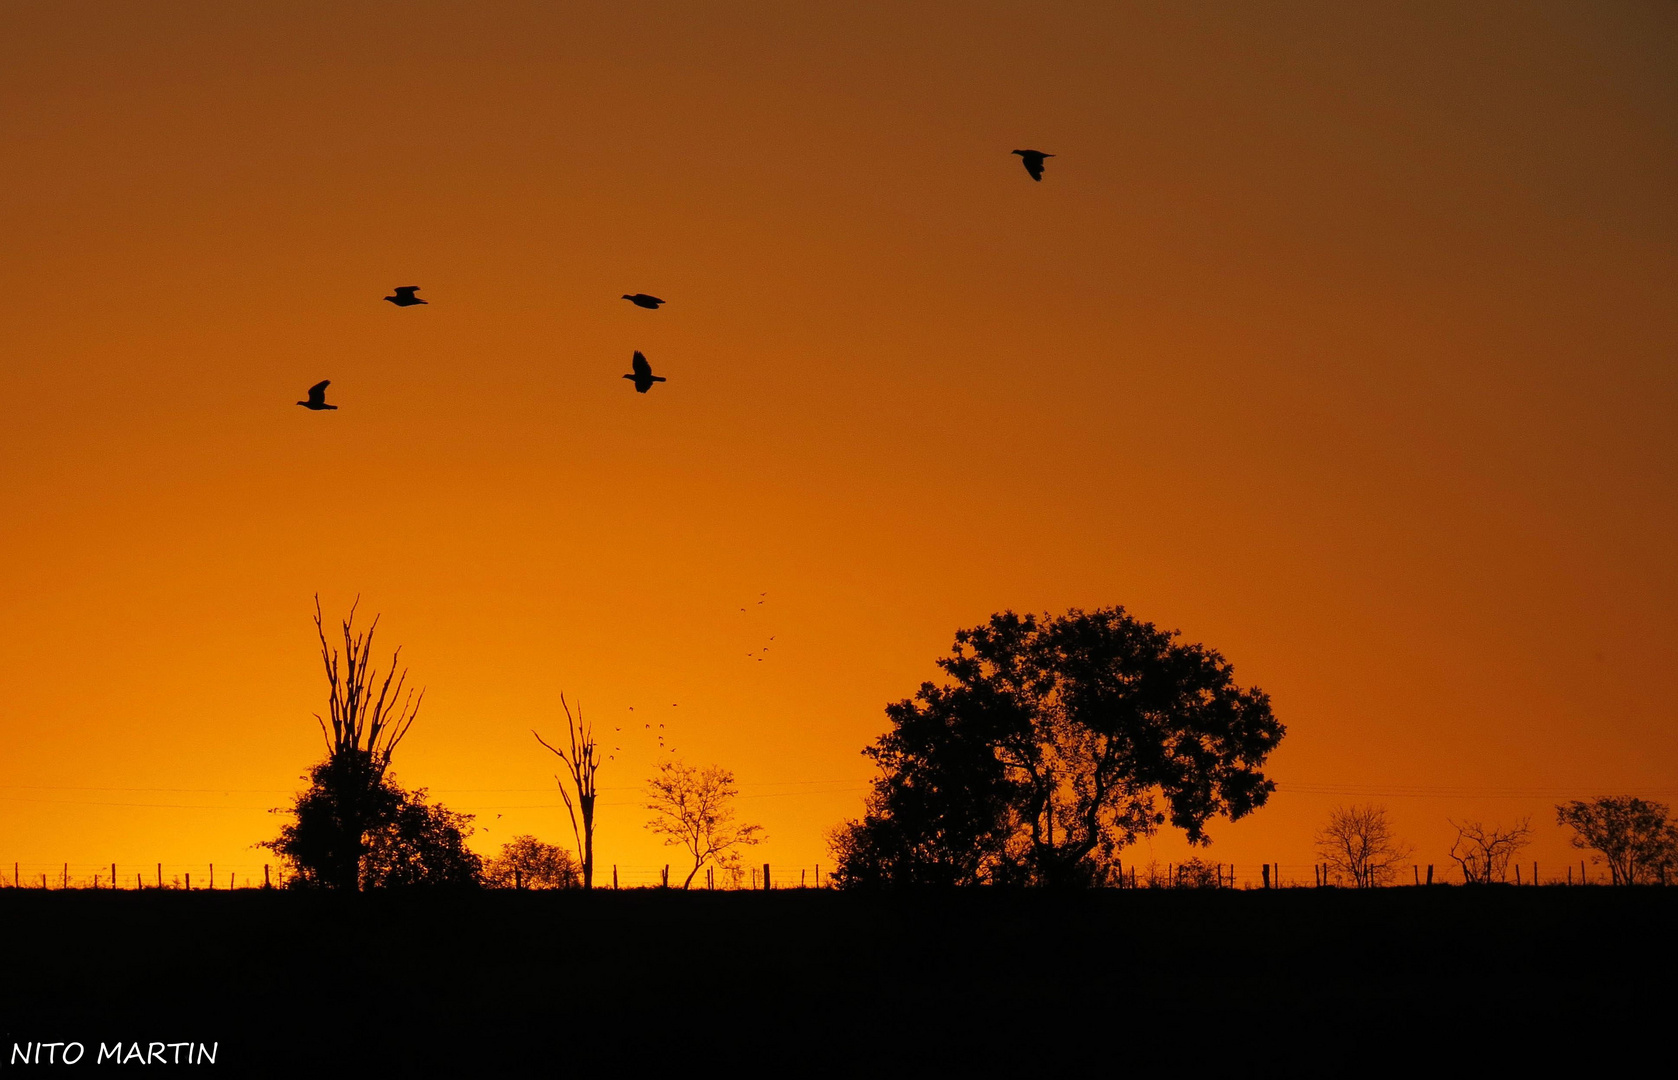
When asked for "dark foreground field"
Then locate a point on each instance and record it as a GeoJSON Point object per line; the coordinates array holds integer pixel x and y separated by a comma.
{"type": "Point", "coordinates": [503, 983]}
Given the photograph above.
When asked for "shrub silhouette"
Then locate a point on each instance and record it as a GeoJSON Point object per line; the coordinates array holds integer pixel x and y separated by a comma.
{"type": "Point", "coordinates": [527, 863]}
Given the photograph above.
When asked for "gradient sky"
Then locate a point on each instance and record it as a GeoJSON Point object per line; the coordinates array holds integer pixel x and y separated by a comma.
{"type": "Point", "coordinates": [1341, 340]}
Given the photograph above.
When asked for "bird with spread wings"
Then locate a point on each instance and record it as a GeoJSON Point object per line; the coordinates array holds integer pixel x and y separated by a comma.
{"type": "Point", "coordinates": [643, 376]}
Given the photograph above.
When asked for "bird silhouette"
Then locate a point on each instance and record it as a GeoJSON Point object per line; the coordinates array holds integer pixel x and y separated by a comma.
{"type": "Point", "coordinates": [643, 377]}
{"type": "Point", "coordinates": [317, 397]}
{"type": "Point", "coordinates": [405, 296]}
{"type": "Point", "coordinates": [1033, 162]}
{"type": "Point", "coordinates": [641, 299]}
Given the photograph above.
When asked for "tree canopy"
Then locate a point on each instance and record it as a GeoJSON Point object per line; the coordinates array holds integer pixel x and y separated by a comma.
{"type": "Point", "coordinates": [528, 863]}
{"type": "Point", "coordinates": [1637, 838]}
{"type": "Point", "coordinates": [1056, 743]}
{"type": "Point", "coordinates": [392, 837]}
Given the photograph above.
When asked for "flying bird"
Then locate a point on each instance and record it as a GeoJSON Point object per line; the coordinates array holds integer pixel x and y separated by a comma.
{"type": "Point", "coordinates": [1033, 162]}
{"type": "Point", "coordinates": [317, 397]}
{"type": "Point", "coordinates": [643, 377]}
{"type": "Point", "coordinates": [405, 296]}
{"type": "Point", "coordinates": [641, 299]}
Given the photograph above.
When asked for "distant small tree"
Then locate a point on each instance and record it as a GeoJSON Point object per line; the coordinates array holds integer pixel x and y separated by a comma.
{"type": "Point", "coordinates": [582, 761]}
{"type": "Point", "coordinates": [526, 862]}
{"type": "Point", "coordinates": [1358, 843]}
{"type": "Point", "coordinates": [1485, 851]}
{"type": "Point", "coordinates": [1196, 873]}
{"type": "Point", "coordinates": [692, 808]}
{"type": "Point", "coordinates": [1636, 837]}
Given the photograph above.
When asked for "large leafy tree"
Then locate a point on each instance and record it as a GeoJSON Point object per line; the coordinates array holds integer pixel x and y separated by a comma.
{"type": "Point", "coordinates": [1637, 837]}
{"type": "Point", "coordinates": [1056, 743]}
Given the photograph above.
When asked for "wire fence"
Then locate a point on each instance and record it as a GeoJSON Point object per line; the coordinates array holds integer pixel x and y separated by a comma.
{"type": "Point", "coordinates": [1194, 874]}
{"type": "Point", "coordinates": [223, 876]}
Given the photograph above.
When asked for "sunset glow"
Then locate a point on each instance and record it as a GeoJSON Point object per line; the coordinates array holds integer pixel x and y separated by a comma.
{"type": "Point", "coordinates": [1340, 341]}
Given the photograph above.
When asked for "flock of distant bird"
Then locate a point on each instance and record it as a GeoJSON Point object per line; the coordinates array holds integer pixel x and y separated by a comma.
{"type": "Point", "coordinates": [641, 372]}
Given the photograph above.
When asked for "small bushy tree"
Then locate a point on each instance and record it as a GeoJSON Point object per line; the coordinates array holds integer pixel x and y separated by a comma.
{"type": "Point", "coordinates": [400, 839]}
{"type": "Point", "coordinates": [528, 863]}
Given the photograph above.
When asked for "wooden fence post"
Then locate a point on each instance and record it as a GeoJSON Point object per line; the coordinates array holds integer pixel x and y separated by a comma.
{"type": "Point", "coordinates": [212, 875]}
{"type": "Point", "coordinates": [1267, 875]}
{"type": "Point", "coordinates": [139, 882]}
{"type": "Point", "coordinates": [160, 875]}
{"type": "Point", "coordinates": [265, 883]}
{"type": "Point", "coordinates": [614, 875]}
{"type": "Point", "coordinates": [189, 881]}
{"type": "Point", "coordinates": [1430, 873]}
{"type": "Point", "coordinates": [113, 875]}
{"type": "Point", "coordinates": [766, 877]}
{"type": "Point", "coordinates": [1535, 871]}
{"type": "Point", "coordinates": [66, 876]}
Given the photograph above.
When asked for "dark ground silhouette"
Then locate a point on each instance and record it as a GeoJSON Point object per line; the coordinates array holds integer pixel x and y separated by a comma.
{"type": "Point", "coordinates": [486, 983]}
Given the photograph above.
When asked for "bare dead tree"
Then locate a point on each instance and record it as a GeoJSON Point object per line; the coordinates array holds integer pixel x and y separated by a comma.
{"type": "Point", "coordinates": [582, 760]}
{"type": "Point", "coordinates": [1485, 851]}
{"type": "Point", "coordinates": [361, 723]}
{"type": "Point", "coordinates": [1358, 843]}
{"type": "Point", "coordinates": [692, 808]}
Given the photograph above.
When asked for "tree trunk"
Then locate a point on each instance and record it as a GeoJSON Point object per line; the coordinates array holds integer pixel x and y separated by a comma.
{"type": "Point", "coordinates": [588, 841]}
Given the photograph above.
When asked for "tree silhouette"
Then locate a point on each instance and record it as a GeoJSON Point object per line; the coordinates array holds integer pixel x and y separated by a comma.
{"type": "Point", "coordinates": [404, 840]}
{"type": "Point", "coordinates": [349, 796]}
{"type": "Point", "coordinates": [692, 808]}
{"type": "Point", "coordinates": [1485, 851]}
{"type": "Point", "coordinates": [421, 843]}
{"type": "Point", "coordinates": [582, 761]}
{"type": "Point", "coordinates": [1634, 836]}
{"type": "Point", "coordinates": [527, 863]}
{"type": "Point", "coordinates": [1358, 843]}
{"type": "Point", "coordinates": [1048, 752]}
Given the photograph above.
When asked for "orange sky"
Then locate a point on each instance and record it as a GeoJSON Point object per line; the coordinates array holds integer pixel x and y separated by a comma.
{"type": "Point", "coordinates": [1342, 341]}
